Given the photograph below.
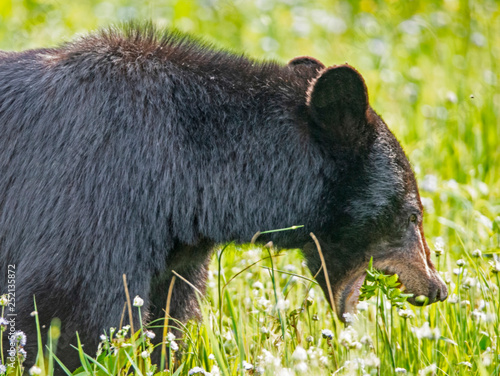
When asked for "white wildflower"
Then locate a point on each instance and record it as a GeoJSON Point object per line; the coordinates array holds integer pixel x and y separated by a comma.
{"type": "Point", "coordinates": [19, 338]}
{"type": "Point", "coordinates": [495, 264]}
{"type": "Point", "coordinates": [174, 346]}
{"type": "Point", "coordinates": [453, 299]}
{"type": "Point", "coordinates": [285, 372]}
{"type": "Point", "coordinates": [4, 300]}
{"type": "Point", "coordinates": [467, 364]}
{"type": "Point", "coordinates": [476, 253]}
{"type": "Point", "coordinates": [362, 306]}
{"type": "Point", "coordinates": [170, 336]}
{"type": "Point", "coordinates": [428, 370]}
{"type": "Point", "coordinates": [33, 314]}
{"type": "Point", "coordinates": [102, 337]}
{"type": "Point", "coordinates": [400, 370]}
{"type": "Point", "coordinates": [426, 332]}
{"type": "Point", "coordinates": [460, 262]}
{"type": "Point", "coordinates": [366, 340]}
{"type": "Point", "coordinates": [258, 285]}
{"type": "Point", "coordinates": [283, 304]}
{"type": "Point", "coordinates": [150, 334]}
{"type": "Point", "coordinates": [35, 370]}
{"type": "Point", "coordinates": [269, 360]}
{"type": "Point", "coordinates": [247, 366]}
{"type": "Point", "coordinates": [349, 338]}
{"type": "Point", "coordinates": [478, 315]}
{"type": "Point", "coordinates": [439, 245]}
{"type": "Point", "coordinates": [406, 313]}
{"type": "Point", "coordinates": [372, 361]}
{"type": "Point", "coordinates": [301, 367]}
{"type": "Point", "coordinates": [211, 357]}
{"type": "Point", "coordinates": [299, 354]}
{"type": "Point", "coordinates": [327, 333]}
{"type": "Point", "coordinates": [145, 355]}
{"type": "Point", "coordinates": [196, 370]}
{"type": "Point", "coordinates": [263, 302]}
{"type": "Point", "coordinates": [348, 317]}
{"type": "Point", "coordinates": [138, 302]}
{"type": "Point", "coordinates": [3, 369]}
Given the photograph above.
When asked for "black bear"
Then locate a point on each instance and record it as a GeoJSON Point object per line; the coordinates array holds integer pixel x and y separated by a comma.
{"type": "Point", "coordinates": [133, 151]}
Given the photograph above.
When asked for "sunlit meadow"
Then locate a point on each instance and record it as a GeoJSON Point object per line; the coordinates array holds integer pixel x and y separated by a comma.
{"type": "Point", "coordinates": [432, 72]}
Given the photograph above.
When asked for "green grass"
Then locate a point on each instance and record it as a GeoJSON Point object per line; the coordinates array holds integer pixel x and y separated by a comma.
{"type": "Point", "coordinates": [432, 72]}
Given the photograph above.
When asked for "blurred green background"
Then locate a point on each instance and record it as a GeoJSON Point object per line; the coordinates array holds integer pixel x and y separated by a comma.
{"type": "Point", "coordinates": [423, 60]}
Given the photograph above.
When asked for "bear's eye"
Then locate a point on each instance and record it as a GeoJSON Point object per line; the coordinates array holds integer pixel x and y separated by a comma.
{"type": "Point", "coordinates": [413, 218]}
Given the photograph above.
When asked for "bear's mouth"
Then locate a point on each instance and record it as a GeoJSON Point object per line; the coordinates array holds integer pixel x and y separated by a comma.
{"type": "Point", "coordinates": [348, 298]}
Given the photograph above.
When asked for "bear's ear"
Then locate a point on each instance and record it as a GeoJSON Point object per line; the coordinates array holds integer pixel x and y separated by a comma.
{"type": "Point", "coordinates": [306, 61]}
{"type": "Point", "coordinates": [338, 103]}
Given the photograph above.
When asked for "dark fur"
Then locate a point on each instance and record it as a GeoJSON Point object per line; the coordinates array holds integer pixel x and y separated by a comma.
{"type": "Point", "coordinates": [132, 151]}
